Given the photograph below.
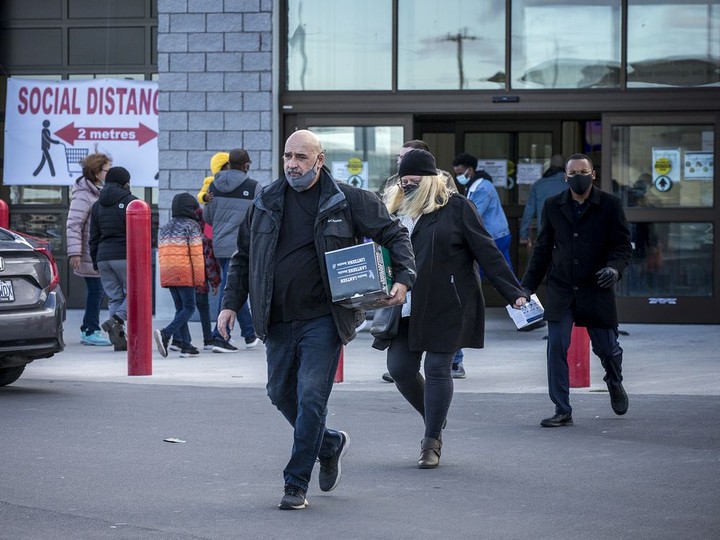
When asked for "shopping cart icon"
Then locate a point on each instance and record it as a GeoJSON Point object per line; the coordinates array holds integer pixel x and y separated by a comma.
{"type": "Point", "coordinates": [74, 157]}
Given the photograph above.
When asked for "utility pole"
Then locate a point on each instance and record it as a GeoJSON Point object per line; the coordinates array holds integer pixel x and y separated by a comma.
{"type": "Point", "coordinates": [459, 38]}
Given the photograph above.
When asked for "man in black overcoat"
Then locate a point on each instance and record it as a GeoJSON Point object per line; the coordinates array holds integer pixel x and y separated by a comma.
{"type": "Point", "coordinates": [582, 250]}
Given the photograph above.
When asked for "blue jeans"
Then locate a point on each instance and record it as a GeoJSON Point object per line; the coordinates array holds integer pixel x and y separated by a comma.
{"type": "Point", "coordinates": [184, 299]}
{"type": "Point", "coordinates": [93, 301]}
{"type": "Point", "coordinates": [503, 244]}
{"type": "Point", "coordinates": [203, 306]}
{"type": "Point", "coordinates": [244, 318]}
{"type": "Point", "coordinates": [302, 358]}
{"type": "Point", "coordinates": [604, 344]}
{"type": "Point", "coordinates": [459, 356]}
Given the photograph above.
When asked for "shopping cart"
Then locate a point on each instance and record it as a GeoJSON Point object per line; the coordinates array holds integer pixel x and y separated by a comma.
{"type": "Point", "coordinates": [74, 157]}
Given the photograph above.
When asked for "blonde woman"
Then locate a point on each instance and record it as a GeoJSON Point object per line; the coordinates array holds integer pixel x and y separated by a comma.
{"type": "Point", "coordinates": [445, 310]}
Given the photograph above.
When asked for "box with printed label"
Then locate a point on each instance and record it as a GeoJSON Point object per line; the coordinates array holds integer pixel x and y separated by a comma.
{"type": "Point", "coordinates": [360, 276]}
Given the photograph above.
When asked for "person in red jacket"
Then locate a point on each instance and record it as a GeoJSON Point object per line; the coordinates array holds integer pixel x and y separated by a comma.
{"type": "Point", "coordinates": [182, 268]}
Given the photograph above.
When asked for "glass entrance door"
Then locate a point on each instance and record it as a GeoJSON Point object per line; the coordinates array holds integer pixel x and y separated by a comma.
{"type": "Point", "coordinates": [515, 154]}
{"type": "Point", "coordinates": [663, 171]}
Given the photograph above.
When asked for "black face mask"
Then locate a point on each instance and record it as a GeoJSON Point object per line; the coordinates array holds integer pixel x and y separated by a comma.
{"type": "Point", "coordinates": [580, 183]}
{"type": "Point", "coordinates": [409, 188]}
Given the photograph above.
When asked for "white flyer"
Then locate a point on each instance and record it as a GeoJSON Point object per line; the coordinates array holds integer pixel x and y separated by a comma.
{"type": "Point", "coordinates": [528, 314]}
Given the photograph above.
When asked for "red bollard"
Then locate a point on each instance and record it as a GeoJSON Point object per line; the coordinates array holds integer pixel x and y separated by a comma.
{"type": "Point", "coordinates": [4, 215]}
{"type": "Point", "coordinates": [578, 358]}
{"type": "Point", "coordinates": [139, 284]}
{"type": "Point", "coordinates": [340, 372]}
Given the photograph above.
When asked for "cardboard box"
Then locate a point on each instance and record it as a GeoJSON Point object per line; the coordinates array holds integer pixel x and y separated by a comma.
{"type": "Point", "coordinates": [360, 276]}
{"type": "Point", "coordinates": [530, 313]}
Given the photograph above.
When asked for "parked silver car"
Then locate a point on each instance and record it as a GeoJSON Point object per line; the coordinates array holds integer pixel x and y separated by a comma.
{"type": "Point", "coordinates": [32, 305]}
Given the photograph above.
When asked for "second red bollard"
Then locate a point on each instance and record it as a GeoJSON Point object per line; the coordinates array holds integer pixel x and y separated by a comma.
{"type": "Point", "coordinates": [339, 372]}
{"type": "Point", "coordinates": [578, 358]}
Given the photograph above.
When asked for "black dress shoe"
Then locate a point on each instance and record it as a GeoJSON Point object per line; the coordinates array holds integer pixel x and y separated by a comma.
{"type": "Point", "coordinates": [618, 399]}
{"type": "Point", "coordinates": [560, 419]}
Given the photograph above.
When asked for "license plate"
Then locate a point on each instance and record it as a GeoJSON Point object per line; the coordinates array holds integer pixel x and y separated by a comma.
{"type": "Point", "coordinates": [6, 291]}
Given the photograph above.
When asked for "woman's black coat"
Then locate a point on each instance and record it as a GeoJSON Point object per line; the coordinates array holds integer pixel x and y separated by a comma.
{"type": "Point", "coordinates": [570, 253]}
{"type": "Point", "coordinates": [447, 309]}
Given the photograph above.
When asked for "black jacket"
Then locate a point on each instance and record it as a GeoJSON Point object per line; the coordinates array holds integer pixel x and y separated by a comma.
{"type": "Point", "coordinates": [345, 215]}
{"type": "Point", "coordinates": [107, 224]}
{"type": "Point", "coordinates": [447, 310]}
{"type": "Point", "coordinates": [569, 254]}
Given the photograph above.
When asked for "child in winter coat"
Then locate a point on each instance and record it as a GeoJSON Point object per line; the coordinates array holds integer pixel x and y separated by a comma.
{"type": "Point", "coordinates": [182, 268]}
{"type": "Point", "coordinates": [213, 278]}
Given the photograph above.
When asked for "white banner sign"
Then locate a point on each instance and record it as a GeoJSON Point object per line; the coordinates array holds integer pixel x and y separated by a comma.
{"type": "Point", "coordinates": [50, 126]}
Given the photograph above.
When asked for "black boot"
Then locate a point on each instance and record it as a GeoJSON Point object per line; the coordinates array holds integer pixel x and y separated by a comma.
{"type": "Point", "coordinates": [613, 378]}
{"type": "Point", "coordinates": [429, 453]}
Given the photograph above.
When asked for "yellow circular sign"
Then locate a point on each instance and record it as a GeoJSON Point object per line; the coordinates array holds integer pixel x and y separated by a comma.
{"type": "Point", "coordinates": [663, 165]}
{"type": "Point", "coordinates": [354, 165]}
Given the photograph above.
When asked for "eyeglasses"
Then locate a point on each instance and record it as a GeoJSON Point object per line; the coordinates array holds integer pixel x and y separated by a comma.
{"type": "Point", "coordinates": [407, 181]}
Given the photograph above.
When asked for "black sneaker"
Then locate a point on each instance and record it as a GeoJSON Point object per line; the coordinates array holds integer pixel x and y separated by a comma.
{"type": "Point", "coordinates": [252, 342]}
{"type": "Point", "coordinates": [116, 333]}
{"type": "Point", "coordinates": [187, 352]}
{"type": "Point", "coordinates": [387, 377]}
{"type": "Point", "coordinates": [175, 346]}
{"type": "Point", "coordinates": [162, 343]}
{"type": "Point", "coordinates": [222, 346]}
{"type": "Point", "coordinates": [457, 371]}
{"type": "Point", "coordinates": [331, 468]}
{"type": "Point", "coordinates": [294, 498]}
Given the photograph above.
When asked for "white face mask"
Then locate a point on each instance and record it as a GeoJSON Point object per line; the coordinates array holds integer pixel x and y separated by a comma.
{"type": "Point", "coordinates": [463, 179]}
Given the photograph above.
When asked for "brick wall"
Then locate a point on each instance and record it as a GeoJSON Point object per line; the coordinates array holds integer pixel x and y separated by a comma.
{"type": "Point", "coordinates": [215, 77]}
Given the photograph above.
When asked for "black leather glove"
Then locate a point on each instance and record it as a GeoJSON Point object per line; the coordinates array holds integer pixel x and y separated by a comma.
{"type": "Point", "coordinates": [607, 277]}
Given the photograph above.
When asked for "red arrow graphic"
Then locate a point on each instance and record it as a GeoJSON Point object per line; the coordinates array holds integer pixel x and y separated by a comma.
{"type": "Point", "coordinates": [140, 134]}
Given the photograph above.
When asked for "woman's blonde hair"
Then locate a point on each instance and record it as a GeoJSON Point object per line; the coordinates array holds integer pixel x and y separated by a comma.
{"type": "Point", "coordinates": [432, 193]}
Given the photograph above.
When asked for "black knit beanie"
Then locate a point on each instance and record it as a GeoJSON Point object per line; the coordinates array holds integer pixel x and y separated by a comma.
{"type": "Point", "coordinates": [417, 163]}
{"type": "Point", "coordinates": [118, 175]}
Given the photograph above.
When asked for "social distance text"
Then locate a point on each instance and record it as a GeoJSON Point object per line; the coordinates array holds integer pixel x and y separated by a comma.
{"type": "Point", "coordinates": [67, 100]}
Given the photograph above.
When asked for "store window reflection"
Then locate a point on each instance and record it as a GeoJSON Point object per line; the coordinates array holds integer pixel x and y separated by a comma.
{"type": "Point", "coordinates": [669, 260]}
{"type": "Point", "coordinates": [451, 45]}
{"type": "Point", "coordinates": [43, 225]}
{"type": "Point", "coordinates": [36, 195]}
{"type": "Point", "coordinates": [663, 166]}
{"type": "Point", "coordinates": [563, 45]}
{"type": "Point", "coordinates": [363, 156]}
{"type": "Point", "coordinates": [339, 45]}
{"type": "Point", "coordinates": [673, 43]}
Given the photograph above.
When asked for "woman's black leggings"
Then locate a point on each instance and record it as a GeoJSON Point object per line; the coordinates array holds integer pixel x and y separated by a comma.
{"type": "Point", "coordinates": [430, 396]}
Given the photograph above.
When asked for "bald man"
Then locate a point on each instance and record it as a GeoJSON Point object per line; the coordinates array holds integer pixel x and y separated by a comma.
{"type": "Point", "coordinates": [279, 264]}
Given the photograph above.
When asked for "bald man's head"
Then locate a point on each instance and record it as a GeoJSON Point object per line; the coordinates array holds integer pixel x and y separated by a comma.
{"type": "Point", "coordinates": [303, 155]}
{"type": "Point", "coordinates": [306, 139]}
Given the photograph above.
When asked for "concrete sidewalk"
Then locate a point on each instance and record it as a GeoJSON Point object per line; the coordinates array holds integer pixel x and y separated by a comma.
{"type": "Point", "coordinates": [659, 359]}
